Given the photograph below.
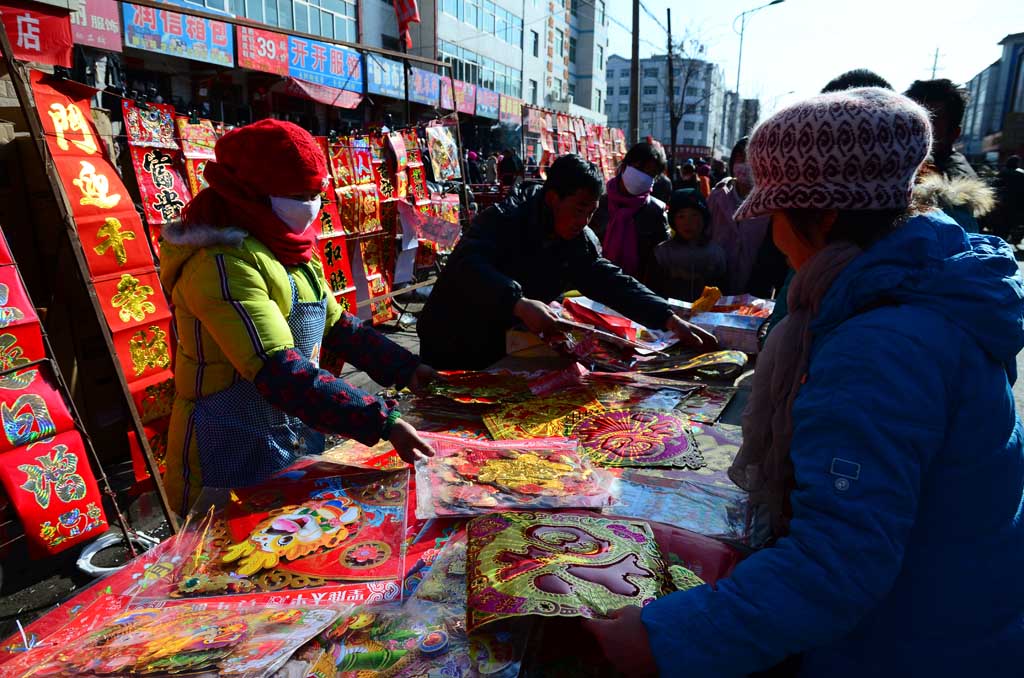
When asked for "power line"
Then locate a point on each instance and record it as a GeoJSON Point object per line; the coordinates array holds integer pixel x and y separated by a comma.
{"type": "Point", "coordinates": [653, 18]}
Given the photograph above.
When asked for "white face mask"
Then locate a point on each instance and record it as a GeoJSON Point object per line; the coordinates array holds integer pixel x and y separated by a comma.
{"type": "Point", "coordinates": [297, 214]}
{"type": "Point", "coordinates": [636, 182]}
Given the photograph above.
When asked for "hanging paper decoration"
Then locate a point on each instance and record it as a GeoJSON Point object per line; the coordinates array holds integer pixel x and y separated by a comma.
{"type": "Point", "coordinates": [310, 534]}
{"type": "Point", "coordinates": [112, 237]}
{"type": "Point", "coordinates": [197, 139]}
{"type": "Point", "coordinates": [472, 477]}
{"type": "Point", "coordinates": [54, 492]}
{"type": "Point", "coordinates": [164, 192]}
{"type": "Point", "coordinates": [250, 642]}
{"type": "Point", "coordinates": [559, 565]}
{"type": "Point", "coordinates": [197, 145]}
{"type": "Point", "coordinates": [150, 125]}
{"type": "Point", "coordinates": [637, 438]}
{"type": "Point", "coordinates": [541, 417]}
{"type": "Point", "coordinates": [444, 153]}
{"type": "Point", "coordinates": [397, 145]}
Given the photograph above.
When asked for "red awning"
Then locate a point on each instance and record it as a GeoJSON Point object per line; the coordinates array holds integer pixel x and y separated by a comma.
{"type": "Point", "coordinates": [329, 96]}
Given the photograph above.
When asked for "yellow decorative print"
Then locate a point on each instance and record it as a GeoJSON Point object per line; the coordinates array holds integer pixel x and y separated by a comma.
{"type": "Point", "coordinates": [112, 240]}
{"type": "Point", "coordinates": [132, 298]}
{"type": "Point", "coordinates": [94, 188]}
{"type": "Point", "coordinates": [526, 469]}
{"type": "Point", "coordinates": [148, 349]}
{"type": "Point", "coordinates": [70, 119]}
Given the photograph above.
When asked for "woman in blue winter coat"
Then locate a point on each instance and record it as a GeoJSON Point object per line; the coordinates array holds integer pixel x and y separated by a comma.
{"type": "Point", "coordinates": [881, 435]}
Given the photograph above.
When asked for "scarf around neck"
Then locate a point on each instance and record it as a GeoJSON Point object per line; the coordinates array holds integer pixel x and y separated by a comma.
{"type": "Point", "coordinates": [620, 241]}
{"type": "Point", "coordinates": [763, 466]}
{"type": "Point", "coordinates": [253, 213]}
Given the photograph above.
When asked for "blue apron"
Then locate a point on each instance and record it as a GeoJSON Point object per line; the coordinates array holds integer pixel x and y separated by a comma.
{"type": "Point", "coordinates": [243, 439]}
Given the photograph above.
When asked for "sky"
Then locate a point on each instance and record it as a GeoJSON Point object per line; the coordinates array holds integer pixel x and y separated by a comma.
{"type": "Point", "coordinates": [791, 50]}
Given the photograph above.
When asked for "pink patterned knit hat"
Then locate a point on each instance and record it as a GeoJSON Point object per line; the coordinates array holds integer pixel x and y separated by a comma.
{"type": "Point", "coordinates": [858, 149]}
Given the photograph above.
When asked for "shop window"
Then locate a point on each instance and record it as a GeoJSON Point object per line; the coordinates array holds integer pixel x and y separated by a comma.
{"type": "Point", "coordinates": [572, 50]}
{"type": "Point", "coordinates": [623, 91]}
{"type": "Point", "coordinates": [533, 92]}
{"type": "Point", "coordinates": [302, 17]}
{"type": "Point", "coordinates": [254, 11]}
{"type": "Point", "coordinates": [284, 12]}
{"type": "Point", "coordinates": [649, 91]}
{"type": "Point", "coordinates": [688, 125]}
{"type": "Point", "coordinates": [535, 38]}
{"type": "Point", "coordinates": [600, 58]}
{"type": "Point", "coordinates": [572, 90]}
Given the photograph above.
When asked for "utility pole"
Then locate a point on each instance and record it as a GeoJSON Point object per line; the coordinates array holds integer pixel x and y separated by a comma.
{"type": "Point", "coordinates": [634, 79]}
{"type": "Point", "coordinates": [671, 101]}
{"type": "Point", "coordinates": [935, 63]}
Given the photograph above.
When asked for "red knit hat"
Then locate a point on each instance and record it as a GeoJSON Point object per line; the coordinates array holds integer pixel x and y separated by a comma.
{"type": "Point", "coordinates": [272, 157]}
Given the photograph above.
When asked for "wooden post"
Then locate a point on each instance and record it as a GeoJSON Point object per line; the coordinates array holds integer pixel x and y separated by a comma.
{"type": "Point", "coordinates": [26, 101]}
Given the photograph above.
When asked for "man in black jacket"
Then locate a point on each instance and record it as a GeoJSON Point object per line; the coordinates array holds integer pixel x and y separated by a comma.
{"type": "Point", "coordinates": [519, 256]}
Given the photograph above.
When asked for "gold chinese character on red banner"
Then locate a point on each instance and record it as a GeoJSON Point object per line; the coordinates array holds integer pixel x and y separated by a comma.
{"type": "Point", "coordinates": [148, 349]}
{"type": "Point", "coordinates": [68, 118]}
{"type": "Point", "coordinates": [112, 240]}
{"type": "Point", "coordinates": [132, 299]}
{"type": "Point", "coordinates": [94, 187]}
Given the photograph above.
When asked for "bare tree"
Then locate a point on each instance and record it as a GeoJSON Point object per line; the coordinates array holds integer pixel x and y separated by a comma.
{"type": "Point", "coordinates": [688, 54]}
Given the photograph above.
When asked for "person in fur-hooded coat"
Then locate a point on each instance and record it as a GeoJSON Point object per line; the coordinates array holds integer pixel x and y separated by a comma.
{"type": "Point", "coordinates": [964, 199]}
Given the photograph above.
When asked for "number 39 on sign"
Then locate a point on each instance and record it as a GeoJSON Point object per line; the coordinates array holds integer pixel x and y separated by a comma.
{"type": "Point", "coordinates": [262, 50]}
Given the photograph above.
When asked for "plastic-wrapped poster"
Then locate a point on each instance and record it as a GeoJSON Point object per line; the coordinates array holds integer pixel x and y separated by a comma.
{"type": "Point", "coordinates": [306, 537]}
{"type": "Point", "coordinates": [444, 153]}
{"type": "Point", "coordinates": [249, 642]}
{"type": "Point", "coordinates": [469, 477]}
{"type": "Point", "coordinates": [675, 498]}
{"type": "Point", "coordinates": [481, 387]}
{"type": "Point", "coordinates": [559, 565]}
{"type": "Point", "coordinates": [638, 437]}
{"type": "Point", "coordinates": [540, 417]}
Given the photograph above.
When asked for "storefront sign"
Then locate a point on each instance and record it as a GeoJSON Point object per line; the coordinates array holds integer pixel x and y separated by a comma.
{"type": "Point", "coordinates": [38, 32]}
{"type": "Point", "coordinates": [385, 77]}
{"type": "Point", "coordinates": [189, 37]}
{"type": "Point", "coordinates": [424, 86]}
{"type": "Point", "coordinates": [487, 103]}
{"type": "Point", "coordinates": [511, 110]}
{"type": "Point", "coordinates": [447, 94]}
{"type": "Point", "coordinates": [465, 97]}
{"type": "Point", "coordinates": [97, 23]}
{"type": "Point", "coordinates": [323, 64]}
{"type": "Point", "coordinates": [261, 50]}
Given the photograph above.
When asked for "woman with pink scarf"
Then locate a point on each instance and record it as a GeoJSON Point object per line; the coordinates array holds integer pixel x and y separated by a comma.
{"type": "Point", "coordinates": [635, 219]}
